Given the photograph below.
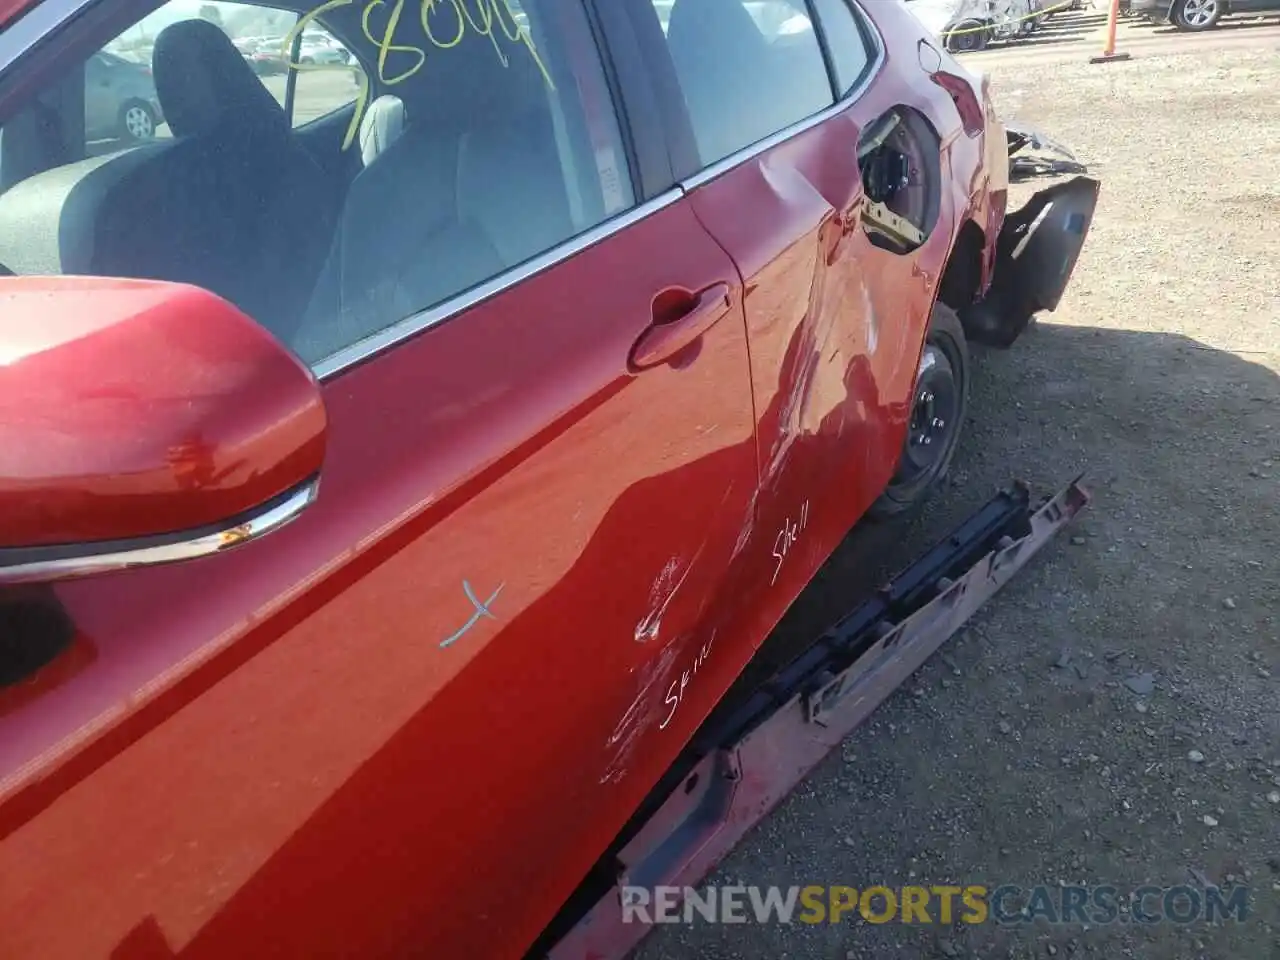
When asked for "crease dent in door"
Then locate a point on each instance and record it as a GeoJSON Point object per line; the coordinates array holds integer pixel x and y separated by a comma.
{"type": "Point", "coordinates": [810, 378]}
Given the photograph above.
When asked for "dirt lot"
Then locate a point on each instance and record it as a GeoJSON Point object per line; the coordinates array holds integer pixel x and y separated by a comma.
{"type": "Point", "coordinates": [1022, 753]}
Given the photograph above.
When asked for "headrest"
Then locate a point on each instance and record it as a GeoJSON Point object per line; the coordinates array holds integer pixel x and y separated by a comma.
{"type": "Point", "coordinates": [202, 81]}
{"type": "Point", "coordinates": [382, 124]}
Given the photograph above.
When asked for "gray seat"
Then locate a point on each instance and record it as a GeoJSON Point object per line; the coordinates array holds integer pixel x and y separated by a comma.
{"type": "Point", "coordinates": [473, 187]}
{"type": "Point", "coordinates": [382, 125]}
{"type": "Point", "coordinates": [233, 203]}
{"type": "Point", "coordinates": [259, 206]}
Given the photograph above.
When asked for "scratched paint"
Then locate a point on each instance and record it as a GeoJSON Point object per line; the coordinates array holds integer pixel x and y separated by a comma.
{"type": "Point", "coordinates": [665, 586]}
{"type": "Point", "coordinates": [810, 393]}
{"type": "Point", "coordinates": [873, 320]}
{"type": "Point", "coordinates": [482, 611]}
{"type": "Point", "coordinates": [640, 714]}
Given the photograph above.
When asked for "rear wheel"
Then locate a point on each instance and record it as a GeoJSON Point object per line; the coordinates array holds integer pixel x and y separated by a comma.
{"type": "Point", "coordinates": [938, 406]}
{"type": "Point", "coordinates": [1197, 14]}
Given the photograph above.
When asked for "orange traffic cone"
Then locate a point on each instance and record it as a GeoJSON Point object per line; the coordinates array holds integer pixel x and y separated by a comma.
{"type": "Point", "coordinates": [1109, 50]}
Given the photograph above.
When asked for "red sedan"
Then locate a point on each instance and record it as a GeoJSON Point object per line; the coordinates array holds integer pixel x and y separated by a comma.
{"type": "Point", "coordinates": [385, 500]}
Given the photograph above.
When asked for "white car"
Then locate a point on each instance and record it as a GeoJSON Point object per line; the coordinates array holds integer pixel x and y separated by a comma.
{"type": "Point", "coordinates": [966, 25]}
{"type": "Point", "coordinates": [321, 50]}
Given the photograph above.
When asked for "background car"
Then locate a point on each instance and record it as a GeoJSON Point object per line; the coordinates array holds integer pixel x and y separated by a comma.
{"type": "Point", "coordinates": [269, 58]}
{"type": "Point", "coordinates": [966, 25]}
{"type": "Point", "coordinates": [1196, 15]}
{"type": "Point", "coordinates": [321, 50]}
{"type": "Point", "coordinates": [119, 99]}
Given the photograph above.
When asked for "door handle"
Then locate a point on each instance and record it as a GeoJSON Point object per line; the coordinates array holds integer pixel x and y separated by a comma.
{"type": "Point", "coordinates": [666, 337]}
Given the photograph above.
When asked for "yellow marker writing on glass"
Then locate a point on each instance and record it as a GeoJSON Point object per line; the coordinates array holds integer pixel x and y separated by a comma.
{"type": "Point", "coordinates": [444, 24]}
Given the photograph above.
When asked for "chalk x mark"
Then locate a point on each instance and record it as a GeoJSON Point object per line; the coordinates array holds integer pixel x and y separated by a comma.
{"type": "Point", "coordinates": [482, 610]}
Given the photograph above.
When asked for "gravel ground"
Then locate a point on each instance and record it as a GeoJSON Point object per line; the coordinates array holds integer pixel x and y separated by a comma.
{"type": "Point", "coordinates": [1022, 753]}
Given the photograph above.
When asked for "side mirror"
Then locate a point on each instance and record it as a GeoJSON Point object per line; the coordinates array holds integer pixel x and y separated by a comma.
{"type": "Point", "coordinates": [143, 422]}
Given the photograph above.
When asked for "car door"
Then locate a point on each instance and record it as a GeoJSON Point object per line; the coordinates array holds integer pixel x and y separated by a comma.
{"type": "Point", "coordinates": [409, 721]}
{"type": "Point", "coordinates": [773, 144]}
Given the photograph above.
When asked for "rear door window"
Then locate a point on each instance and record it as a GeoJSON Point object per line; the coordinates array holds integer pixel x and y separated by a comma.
{"type": "Point", "coordinates": [849, 42]}
{"type": "Point", "coordinates": [747, 68]}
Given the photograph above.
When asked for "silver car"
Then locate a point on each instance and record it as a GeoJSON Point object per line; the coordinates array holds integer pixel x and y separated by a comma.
{"type": "Point", "coordinates": [120, 100]}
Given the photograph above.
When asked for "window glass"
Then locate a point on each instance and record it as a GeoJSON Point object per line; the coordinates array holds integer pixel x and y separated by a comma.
{"type": "Point", "coordinates": [476, 144]}
{"type": "Point", "coordinates": [329, 76]}
{"type": "Point", "coordinates": [848, 44]}
{"type": "Point", "coordinates": [747, 68]}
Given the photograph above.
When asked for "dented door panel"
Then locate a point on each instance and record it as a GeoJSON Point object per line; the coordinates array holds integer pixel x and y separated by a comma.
{"type": "Point", "coordinates": [836, 325]}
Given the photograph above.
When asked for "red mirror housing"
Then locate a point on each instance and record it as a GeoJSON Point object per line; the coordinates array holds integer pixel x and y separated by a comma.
{"type": "Point", "coordinates": [137, 409]}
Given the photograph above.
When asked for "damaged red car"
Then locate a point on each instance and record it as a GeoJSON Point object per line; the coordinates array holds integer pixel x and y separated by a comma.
{"type": "Point", "coordinates": [395, 474]}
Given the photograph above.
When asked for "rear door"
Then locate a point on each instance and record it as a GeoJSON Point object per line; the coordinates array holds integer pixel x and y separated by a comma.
{"type": "Point", "coordinates": [409, 722]}
{"type": "Point", "coordinates": [776, 104]}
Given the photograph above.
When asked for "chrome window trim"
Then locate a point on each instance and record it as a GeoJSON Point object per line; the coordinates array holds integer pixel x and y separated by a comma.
{"type": "Point", "coordinates": [146, 551]}
{"type": "Point", "coordinates": [751, 151]}
{"type": "Point", "coordinates": [411, 326]}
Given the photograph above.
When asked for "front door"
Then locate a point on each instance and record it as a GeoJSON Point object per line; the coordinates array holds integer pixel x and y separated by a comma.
{"type": "Point", "coordinates": [410, 721]}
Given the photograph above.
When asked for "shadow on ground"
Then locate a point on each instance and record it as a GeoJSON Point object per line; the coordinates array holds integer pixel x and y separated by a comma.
{"type": "Point", "coordinates": [1029, 705]}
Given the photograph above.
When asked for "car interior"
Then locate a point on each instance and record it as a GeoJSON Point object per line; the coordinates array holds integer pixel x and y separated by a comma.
{"type": "Point", "coordinates": [310, 240]}
{"type": "Point", "coordinates": [463, 169]}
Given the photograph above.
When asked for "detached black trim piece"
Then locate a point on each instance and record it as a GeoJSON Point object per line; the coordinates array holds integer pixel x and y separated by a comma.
{"type": "Point", "coordinates": [1005, 515]}
{"type": "Point", "coordinates": [1036, 254]}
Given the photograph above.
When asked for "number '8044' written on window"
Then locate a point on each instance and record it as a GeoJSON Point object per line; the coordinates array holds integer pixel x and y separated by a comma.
{"type": "Point", "coordinates": [442, 25]}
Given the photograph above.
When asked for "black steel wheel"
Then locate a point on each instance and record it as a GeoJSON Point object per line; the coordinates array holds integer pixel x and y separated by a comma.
{"type": "Point", "coordinates": [938, 406]}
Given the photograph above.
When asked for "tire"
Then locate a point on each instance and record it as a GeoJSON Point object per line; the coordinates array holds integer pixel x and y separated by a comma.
{"type": "Point", "coordinates": [1197, 15]}
{"type": "Point", "coordinates": [968, 42]}
{"type": "Point", "coordinates": [939, 402]}
{"type": "Point", "coordinates": [136, 122]}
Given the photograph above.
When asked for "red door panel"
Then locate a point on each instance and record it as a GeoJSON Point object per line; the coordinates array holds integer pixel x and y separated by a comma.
{"type": "Point", "coordinates": [409, 721]}
{"type": "Point", "coordinates": [836, 326]}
